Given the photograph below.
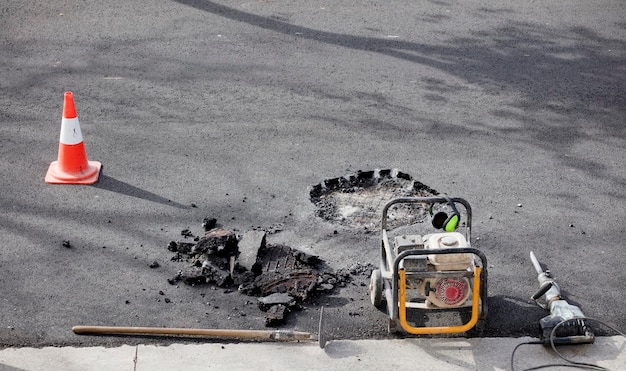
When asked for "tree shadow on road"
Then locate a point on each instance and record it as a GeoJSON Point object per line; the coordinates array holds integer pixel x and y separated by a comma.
{"type": "Point", "coordinates": [566, 75]}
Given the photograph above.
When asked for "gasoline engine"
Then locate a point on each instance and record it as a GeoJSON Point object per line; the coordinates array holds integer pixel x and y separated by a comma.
{"type": "Point", "coordinates": [442, 292]}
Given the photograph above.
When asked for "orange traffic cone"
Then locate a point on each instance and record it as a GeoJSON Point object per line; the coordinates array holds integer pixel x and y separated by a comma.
{"type": "Point", "coordinates": [72, 166]}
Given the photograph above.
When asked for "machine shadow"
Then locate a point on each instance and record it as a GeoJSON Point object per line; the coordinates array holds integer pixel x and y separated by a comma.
{"type": "Point", "coordinates": [525, 322]}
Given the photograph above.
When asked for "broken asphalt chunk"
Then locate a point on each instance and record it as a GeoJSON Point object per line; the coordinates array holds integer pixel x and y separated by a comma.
{"type": "Point", "coordinates": [275, 316]}
{"type": "Point", "coordinates": [180, 246]}
{"type": "Point", "coordinates": [266, 302]}
{"type": "Point", "coordinates": [217, 241]}
{"type": "Point", "coordinates": [209, 223]}
{"type": "Point", "coordinates": [249, 246]}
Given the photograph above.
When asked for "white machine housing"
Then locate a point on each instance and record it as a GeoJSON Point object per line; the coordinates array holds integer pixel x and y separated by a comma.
{"type": "Point", "coordinates": [442, 292]}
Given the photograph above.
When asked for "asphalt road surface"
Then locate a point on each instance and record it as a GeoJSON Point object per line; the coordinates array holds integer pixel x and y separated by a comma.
{"type": "Point", "coordinates": [233, 110]}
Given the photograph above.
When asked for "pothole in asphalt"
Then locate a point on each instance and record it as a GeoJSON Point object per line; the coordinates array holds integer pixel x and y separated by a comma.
{"type": "Point", "coordinates": [357, 200]}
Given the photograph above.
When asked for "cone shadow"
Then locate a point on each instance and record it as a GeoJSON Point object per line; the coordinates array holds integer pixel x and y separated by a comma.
{"type": "Point", "coordinates": [117, 186]}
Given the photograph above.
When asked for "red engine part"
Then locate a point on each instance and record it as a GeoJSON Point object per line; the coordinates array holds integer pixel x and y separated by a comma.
{"type": "Point", "coordinates": [449, 292]}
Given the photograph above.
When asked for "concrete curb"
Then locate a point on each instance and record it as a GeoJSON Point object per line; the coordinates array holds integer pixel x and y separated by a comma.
{"type": "Point", "coordinates": [398, 354]}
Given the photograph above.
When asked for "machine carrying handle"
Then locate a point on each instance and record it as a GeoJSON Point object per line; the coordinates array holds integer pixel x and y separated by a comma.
{"type": "Point", "coordinates": [431, 201]}
{"type": "Point", "coordinates": [542, 290]}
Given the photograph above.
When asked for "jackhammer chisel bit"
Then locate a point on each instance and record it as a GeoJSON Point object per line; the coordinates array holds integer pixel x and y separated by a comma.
{"type": "Point", "coordinates": [566, 323]}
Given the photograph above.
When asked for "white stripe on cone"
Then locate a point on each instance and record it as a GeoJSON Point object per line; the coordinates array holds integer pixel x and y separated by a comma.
{"type": "Point", "coordinates": [70, 131]}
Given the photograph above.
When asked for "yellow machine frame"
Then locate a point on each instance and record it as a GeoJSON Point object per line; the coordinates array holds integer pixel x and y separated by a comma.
{"type": "Point", "coordinates": [440, 329]}
{"type": "Point", "coordinates": [389, 283]}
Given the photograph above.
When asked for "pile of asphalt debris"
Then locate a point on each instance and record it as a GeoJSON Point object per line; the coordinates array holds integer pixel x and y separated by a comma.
{"type": "Point", "coordinates": [283, 278]}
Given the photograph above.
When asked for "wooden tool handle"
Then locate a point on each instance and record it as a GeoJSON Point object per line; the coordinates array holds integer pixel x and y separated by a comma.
{"type": "Point", "coordinates": [249, 334]}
